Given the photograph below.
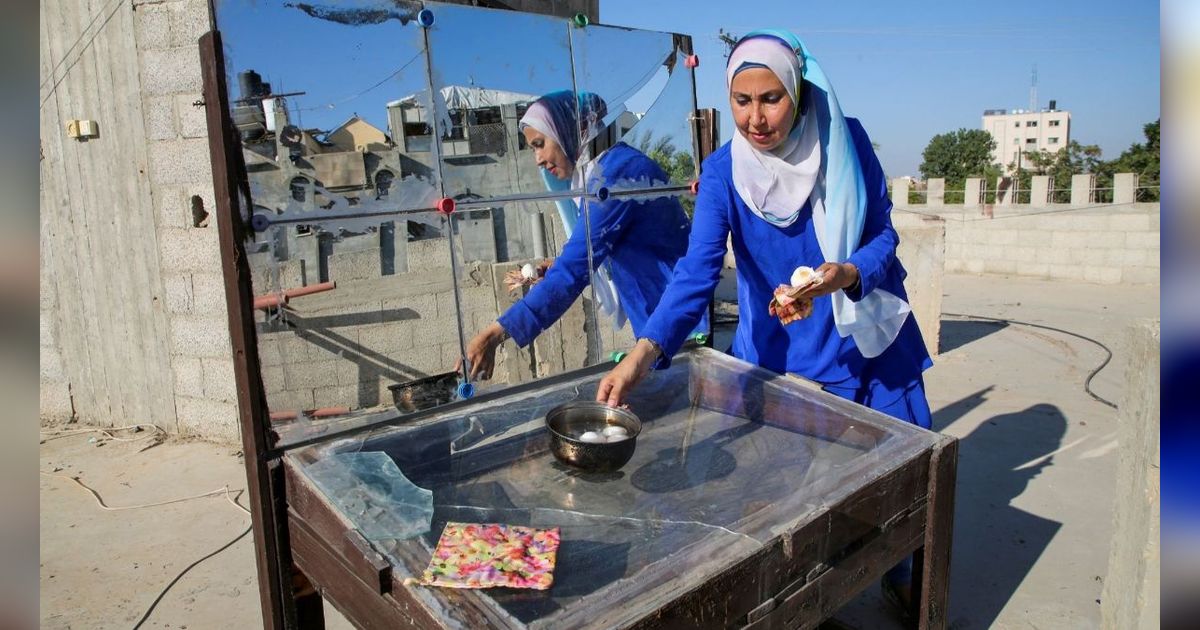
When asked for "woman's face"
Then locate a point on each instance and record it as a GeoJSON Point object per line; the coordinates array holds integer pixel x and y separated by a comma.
{"type": "Point", "coordinates": [762, 110]}
{"type": "Point", "coordinates": [548, 154]}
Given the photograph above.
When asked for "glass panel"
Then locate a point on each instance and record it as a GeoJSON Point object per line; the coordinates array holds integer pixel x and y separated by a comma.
{"type": "Point", "coordinates": [350, 266]}
{"type": "Point", "coordinates": [729, 458]}
{"type": "Point", "coordinates": [639, 205]}
{"type": "Point", "coordinates": [482, 90]}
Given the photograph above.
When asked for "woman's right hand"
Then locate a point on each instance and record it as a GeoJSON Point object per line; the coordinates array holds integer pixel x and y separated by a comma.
{"type": "Point", "coordinates": [481, 351]}
{"type": "Point", "coordinates": [617, 384]}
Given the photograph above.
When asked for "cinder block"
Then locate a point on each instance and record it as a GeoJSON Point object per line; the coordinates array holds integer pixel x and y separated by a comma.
{"type": "Point", "coordinates": [192, 120]}
{"type": "Point", "coordinates": [200, 336]}
{"type": "Point", "coordinates": [1141, 275]}
{"type": "Point", "coordinates": [46, 336]}
{"type": "Point", "coordinates": [50, 365]}
{"type": "Point", "coordinates": [1052, 255]}
{"type": "Point", "coordinates": [152, 27]}
{"type": "Point", "coordinates": [350, 266]}
{"type": "Point", "coordinates": [219, 382]}
{"type": "Point", "coordinates": [338, 396]}
{"type": "Point", "coordinates": [1060, 239]}
{"type": "Point", "coordinates": [1003, 237]}
{"type": "Point", "coordinates": [1068, 272]}
{"type": "Point", "coordinates": [268, 350]}
{"type": "Point", "coordinates": [1142, 240]}
{"type": "Point", "coordinates": [189, 250]}
{"type": "Point", "coordinates": [974, 266]}
{"type": "Point", "coordinates": [183, 161]}
{"type": "Point", "coordinates": [1102, 275]}
{"type": "Point", "coordinates": [290, 400]}
{"type": "Point", "coordinates": [310, 375]}
{"type": "Point", "coordinates": [1034, 238]}
{"type": "Point", "coordinates": [54, 401]}
{"type": "Point", "coordinates": [272, 378]}
{"type": "Point", "coordinates": [1129, 222]}
{"type": "Point", "coordinates": [1130, 257]}
{"type": "Point", "coordinates": [1000, 266]}
{"type": "Point", "coordinates": [435, 332]}
{"type": "Point", "coordinates": [170, 210]}
{"type": "Point", "coordinates": [1022, 253]}
{"type": "Point", "coordinates": [170, 71]}
{"type": "Point", "coordinates": [189, 376]}
{"type": "Point", "coordinates": [387, 338]}
{"type": "Point", "coordinates": [1109, 240]}
{"type": "Point", "coordinates": [1154, 259]}
{"type": "Point", "coordinates": [189, 20]}
{"type": "Point", "coordinates": [1033, 269]}
{"type": "Point", "coordinates": [160, 118]}
{"type": "Point", "coordinates": [177, 288]}
{"type": "Point", "coordinates": [431, 253]}
{"type": "Point", "coordinates": [208, 294]}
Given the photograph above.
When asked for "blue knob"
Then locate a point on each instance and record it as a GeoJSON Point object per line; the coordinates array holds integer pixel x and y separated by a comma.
{"type": "Point", "coordinates": [259, 223]}
{"type": "Point", "coordinates": [425, 18]}
{"type": "Point", "coordinates": [602, 193]}
{"type": "Point", "coordinates": [465, 390]}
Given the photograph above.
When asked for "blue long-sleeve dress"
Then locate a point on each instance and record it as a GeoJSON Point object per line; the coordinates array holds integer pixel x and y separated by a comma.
{"type": "Point", "coordinates": [766, 255]}
{"type": "Point", "coordinates": [642, 240]}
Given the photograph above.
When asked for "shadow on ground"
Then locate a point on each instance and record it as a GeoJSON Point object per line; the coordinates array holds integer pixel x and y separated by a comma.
{"type": "Point", "coordinates": [956, 333]}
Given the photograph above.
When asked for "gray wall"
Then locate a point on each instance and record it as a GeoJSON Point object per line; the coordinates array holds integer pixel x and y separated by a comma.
{"type": "Point", "coordinates": [133, 319]}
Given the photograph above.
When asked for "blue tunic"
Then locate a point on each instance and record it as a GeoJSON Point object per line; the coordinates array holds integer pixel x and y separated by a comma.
{"type": "Point", "coordinates": [766, 256]}
{"type": "Point", "coordinates": [641, 239]}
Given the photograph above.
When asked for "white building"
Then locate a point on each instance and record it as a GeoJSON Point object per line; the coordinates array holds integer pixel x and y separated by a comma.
{"type": "Point", "coordinates": [1019, 130]}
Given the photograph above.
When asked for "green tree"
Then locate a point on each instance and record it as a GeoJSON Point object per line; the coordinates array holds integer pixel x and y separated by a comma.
{"type": "Point", "coordinates": [678, 164]}
{"type": "Point", "coordinates": [1143, 159]}
{"type": "Point", "coordinates": [1060, 165]}
{"type": "Point", "coordinates": [957, 155]}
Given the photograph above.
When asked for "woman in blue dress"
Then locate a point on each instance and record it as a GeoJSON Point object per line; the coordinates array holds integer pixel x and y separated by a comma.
{"type": "Point", "coordinates": [635, 242]}
{"type": "Point", "coordinates": [799, 185]}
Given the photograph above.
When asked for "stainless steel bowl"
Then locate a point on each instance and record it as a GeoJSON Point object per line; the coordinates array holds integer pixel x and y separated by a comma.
{"type": "Point", "coordinates": [567, 422]}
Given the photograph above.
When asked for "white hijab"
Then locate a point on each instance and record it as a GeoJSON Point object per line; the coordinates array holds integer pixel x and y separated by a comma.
{"type": "Point", "coordinates": [817, 163]}
{"type": "Point", "coordinates": [538, 116]}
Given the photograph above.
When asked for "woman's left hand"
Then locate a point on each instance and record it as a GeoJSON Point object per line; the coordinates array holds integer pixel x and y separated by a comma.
{"type": "Point", "coordinates": [833, 277]}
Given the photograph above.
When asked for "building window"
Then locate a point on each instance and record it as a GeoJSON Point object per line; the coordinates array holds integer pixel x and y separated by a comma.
{"type": "Point", "coordinates": [1054, 123]}
{"type": "Point", "coordinates": [455, 132]}
{"type": "Point", "coordinates": [1029, 141]}
{"type": "Point", "coordinates": [1016, 141]}
{"type": "Point", "coordinates": [1016, 123]}
{"type": "Point", "coordinates": [521, 109]}
{"type": "Point", "coordinates": [383, 183]}
{"type": "Point", "coordinates": [299, 187]}
{"type": "Point", "coordinates": [1052, 140]}
{"type": "Point", "coordinates": [1030, 123]}
{"type": "Point", "coordinates": [417, 137]}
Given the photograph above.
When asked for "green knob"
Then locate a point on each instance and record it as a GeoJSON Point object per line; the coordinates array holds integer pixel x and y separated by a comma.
{"type": "Point", "coordinates": [700, 338]}
{"type": "Point", "coordinates": [581, 20]}
{"type": "Point", "coordinates": [616, 356]}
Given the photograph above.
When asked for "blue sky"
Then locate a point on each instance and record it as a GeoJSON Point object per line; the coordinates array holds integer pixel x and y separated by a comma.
{"type": "Point", "coordinates": [910, 70]}
{"type": "Point", "coordinates": [907, 70]}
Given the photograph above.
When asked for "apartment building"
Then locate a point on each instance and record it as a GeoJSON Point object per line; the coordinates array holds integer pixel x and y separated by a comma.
{"type": "Point", "coordinates": [1019, 131]}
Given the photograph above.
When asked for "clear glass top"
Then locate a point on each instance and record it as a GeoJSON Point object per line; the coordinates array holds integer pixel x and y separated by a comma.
{"type": "Point", "coordinates": [730, 455]}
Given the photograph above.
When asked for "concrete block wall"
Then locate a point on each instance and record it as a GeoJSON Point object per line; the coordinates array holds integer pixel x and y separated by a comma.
{"type": "Point", "coordinates": [1113, 245]}
{"type": "Point", "coordinates": [922, 251]}
{"type": "Point", "coordinates": [1131, 596]}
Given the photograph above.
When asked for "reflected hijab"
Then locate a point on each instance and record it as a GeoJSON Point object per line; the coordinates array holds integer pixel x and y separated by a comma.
{"type": "Point", "coordinates": [573, 121]}
{"type": "Point", "coordinates": [817, 163]}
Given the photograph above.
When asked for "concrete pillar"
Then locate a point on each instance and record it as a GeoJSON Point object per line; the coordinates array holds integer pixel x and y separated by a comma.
{"type": "Point", "coordinates": [1131, 589]}
{"type": "Point", "coordinates": [922, 250]}
{"type": "Point", "coordinates": [1006, 194]}
{"type": "Point", "coordinates": [1039, 191]}
{"type": "Point", "coordinates": [1125, 187]}
{"type": "Point", "coordinates": [935, 188]}
{"type": "Point", "coordinates": [1081, 189]}
{"type": "Point", "coordinates": [973, 196]}
{"type": "Point", "coordinates": [900, 191]}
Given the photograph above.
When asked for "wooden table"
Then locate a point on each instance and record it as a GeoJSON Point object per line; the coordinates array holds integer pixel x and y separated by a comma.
{"type": "Point", "coordinates": [752, 501]}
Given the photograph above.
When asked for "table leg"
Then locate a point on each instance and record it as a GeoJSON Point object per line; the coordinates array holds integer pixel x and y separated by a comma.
{"type": "Point", "coordinates": [931, 564]}
{"type": "Point", "coordinates": [310, 607]}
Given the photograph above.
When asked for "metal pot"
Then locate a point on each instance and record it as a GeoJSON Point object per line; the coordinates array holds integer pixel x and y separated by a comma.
{"type": "Point", "coordinates": [567, 422]}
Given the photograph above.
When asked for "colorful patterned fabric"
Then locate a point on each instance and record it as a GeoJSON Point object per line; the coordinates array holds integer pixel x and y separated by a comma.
{"type": "Point", "coordinates": [788, 309]}
{"type": "Point", "coordinates": [470, 555]}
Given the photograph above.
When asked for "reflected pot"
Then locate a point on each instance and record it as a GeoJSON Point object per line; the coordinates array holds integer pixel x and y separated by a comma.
{"type": "Point", "coordinates": [424, 393]}
{"type": "Point", "coordinates": [567, 422]}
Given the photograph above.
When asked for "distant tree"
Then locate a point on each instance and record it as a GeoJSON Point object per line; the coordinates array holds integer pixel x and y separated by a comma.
{"type": "Point", "coordinates": [1060, 165]}
{"type": "Point", "coordinates": [1143, 159]}
{"type": "Point", "coordinates": [678, 164]}
{"type": "Point", "coordinates": [957, 155]}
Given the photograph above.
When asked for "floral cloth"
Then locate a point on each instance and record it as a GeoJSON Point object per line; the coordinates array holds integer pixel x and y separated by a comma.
{"type": "Point", "coordinates": [470, 555]}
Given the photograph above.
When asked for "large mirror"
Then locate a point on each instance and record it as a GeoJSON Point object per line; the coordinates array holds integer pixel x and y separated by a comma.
{"type": "Point", "coordinates": [406, 195]}
{"type": "Point", "coordinates": [350, 264]}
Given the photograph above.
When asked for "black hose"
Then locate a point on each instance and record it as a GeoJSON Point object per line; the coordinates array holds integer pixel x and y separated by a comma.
{"type": "Point", "coordinates": [1087, 384]}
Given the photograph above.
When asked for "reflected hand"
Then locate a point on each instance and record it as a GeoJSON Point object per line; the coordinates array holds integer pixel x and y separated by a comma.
{"type": "Point", "coordinates": [481, 352]}
{"type": "Point", "coordinates": [621, 380]}
{"type": "Point", "coordinates": [829, 277]}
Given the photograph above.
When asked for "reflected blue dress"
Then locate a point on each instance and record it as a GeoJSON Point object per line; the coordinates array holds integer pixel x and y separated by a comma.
{"type": "Point", "coordinates": [641, 240]}
{"type": "Point", "coordinates": [766, 256]}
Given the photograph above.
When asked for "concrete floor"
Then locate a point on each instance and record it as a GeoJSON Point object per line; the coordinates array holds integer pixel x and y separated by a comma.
{"type": "Point", "coordinates": [1033, 516]}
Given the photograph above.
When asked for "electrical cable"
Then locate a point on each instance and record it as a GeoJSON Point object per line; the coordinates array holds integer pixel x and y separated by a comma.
{"type": "Point", "coordinates": [155, 432]}
{"type": "Point", "coordinates": [189, 567]}
{"type": "Point", "coordinates": [1087, 384]}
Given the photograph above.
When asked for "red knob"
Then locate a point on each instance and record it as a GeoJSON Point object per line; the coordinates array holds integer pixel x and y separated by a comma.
{"type": "Point", "coordinates": [445, 205]}
{"type": "Point", "coordinates": [691, 61]}
{"type": "Point", "coordinates": [695, 187]}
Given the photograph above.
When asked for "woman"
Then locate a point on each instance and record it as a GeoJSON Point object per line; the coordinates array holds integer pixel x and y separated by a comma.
{"type": "Point", "coordinates": [637, 242]}
{"type": "Point", "coordinates": [799, 185]}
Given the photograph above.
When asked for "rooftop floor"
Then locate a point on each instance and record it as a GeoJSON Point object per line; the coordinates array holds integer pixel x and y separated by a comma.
{"type": "Point", "coordinates": [1035, 484]}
